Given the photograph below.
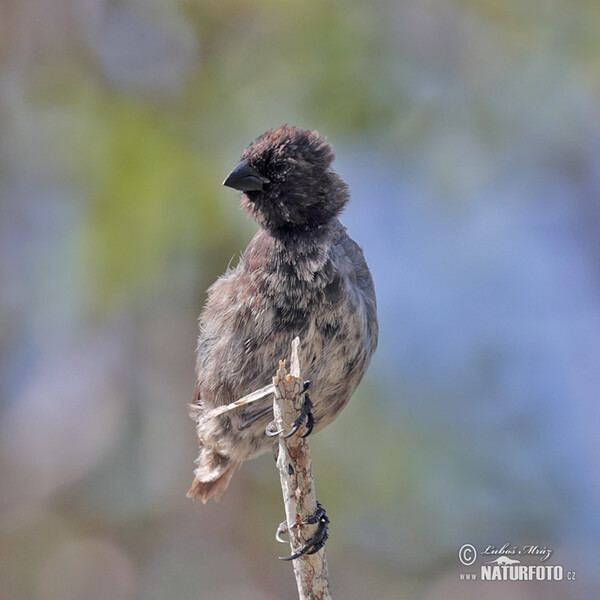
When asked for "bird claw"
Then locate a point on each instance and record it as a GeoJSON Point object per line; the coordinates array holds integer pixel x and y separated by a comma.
{"type": "Point", "coordinates": [271, 430]}
{"type": "Point", "coordinates": [313, 544]}
{"type": "Point", "coordinates": [305, 413]}
{"type": "Point", "coordinates": [283, 528]}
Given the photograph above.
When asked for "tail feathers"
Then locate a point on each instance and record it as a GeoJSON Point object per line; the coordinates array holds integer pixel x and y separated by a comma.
{"type": "Point", "coordinates": [212, 476]}
{"type": "Point", "coordinates": [205, 490]}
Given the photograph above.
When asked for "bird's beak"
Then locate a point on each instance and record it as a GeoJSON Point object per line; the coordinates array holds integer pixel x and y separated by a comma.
{"type": "Point", "coordinates": [245, 178]}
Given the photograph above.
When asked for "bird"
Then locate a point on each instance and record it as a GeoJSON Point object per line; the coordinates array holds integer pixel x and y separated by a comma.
{"type": "Point", "coordinates": [301, 275]}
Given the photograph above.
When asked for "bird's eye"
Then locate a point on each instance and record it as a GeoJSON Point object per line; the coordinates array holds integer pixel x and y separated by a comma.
{"type": "Point", "coordinates": [279, 169]}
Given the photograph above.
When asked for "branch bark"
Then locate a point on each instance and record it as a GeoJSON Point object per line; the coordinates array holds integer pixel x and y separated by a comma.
{"type": "Point", "coordinates": [297, 483]}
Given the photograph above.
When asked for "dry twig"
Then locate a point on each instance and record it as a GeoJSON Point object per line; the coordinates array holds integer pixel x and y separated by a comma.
{"type": "Point", "coordinates": [297, 483]}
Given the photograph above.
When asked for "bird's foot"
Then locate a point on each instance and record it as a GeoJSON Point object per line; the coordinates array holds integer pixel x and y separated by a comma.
{"type": "Point", "coordinates": [306, 412]}
{"type": "Point", "coordinates": [313, 544]}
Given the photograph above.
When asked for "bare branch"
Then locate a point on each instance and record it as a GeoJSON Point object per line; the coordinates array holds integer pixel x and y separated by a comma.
{"type": "Point", "coordinates": [297, 483]}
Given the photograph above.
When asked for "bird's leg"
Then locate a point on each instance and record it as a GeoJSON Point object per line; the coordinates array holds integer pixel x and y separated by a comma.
{"type": "Point", "coordinates": [305, 413]}
{"type": "Point", "coordinates": [313, 544]}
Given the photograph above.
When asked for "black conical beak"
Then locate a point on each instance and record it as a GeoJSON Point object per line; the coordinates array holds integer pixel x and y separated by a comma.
{"type": "Point", "coordinates": [245, 178]}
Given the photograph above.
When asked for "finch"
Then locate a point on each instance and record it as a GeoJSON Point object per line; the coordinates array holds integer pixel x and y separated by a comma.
{"type": "Point", "coordinates": [301, 275]}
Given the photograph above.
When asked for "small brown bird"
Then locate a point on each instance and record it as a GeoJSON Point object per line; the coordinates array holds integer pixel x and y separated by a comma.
{"type": "Point", "coordinates": [301, 275]}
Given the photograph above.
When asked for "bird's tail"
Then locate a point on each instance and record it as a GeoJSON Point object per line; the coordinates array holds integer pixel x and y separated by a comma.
{"type": "Point", "coordinates": [212, 476]}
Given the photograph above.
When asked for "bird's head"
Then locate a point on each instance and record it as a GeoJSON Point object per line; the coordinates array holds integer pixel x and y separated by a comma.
{"type": "Point", "coordinates": [287, 182]}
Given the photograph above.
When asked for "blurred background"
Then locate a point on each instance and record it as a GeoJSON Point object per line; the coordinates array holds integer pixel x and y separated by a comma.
{"type": "Point", "coordinates": [468, 131]}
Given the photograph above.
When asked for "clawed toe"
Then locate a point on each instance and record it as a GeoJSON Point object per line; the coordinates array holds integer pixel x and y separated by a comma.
{"type": "Point", "coordinates": [310, 421]}
{"type": "Point", "coordinates": [305, 414]}
{"type": "Point", "coordinates": [271, 430]}
{"type": "Point", "coordinates": [283, 528]}
{"type": "Point", "coordinates": [316, 542]}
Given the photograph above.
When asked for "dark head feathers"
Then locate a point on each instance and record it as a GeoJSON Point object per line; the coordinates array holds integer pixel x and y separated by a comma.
{"type": "Point", "coordinates": [288, 142]}
{"type": "Point", "coordinates": [291, 186]}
